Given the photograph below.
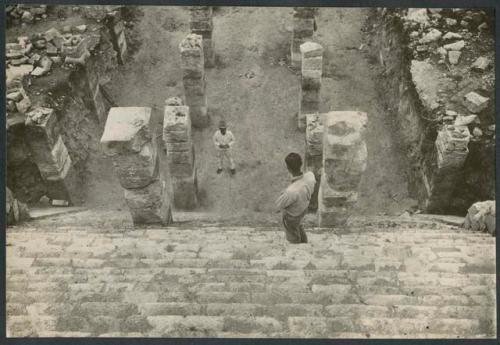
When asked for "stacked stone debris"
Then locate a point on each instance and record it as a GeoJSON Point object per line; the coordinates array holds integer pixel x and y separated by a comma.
{"type": "Point", "coordinates": [128, 139]}
{"type": "Point", "coordinates": [36, 55]}
{"type": "Point", "coordinates": [194, 80]}
{"type": "Point", "coordinates": [451, 149]}
{"type": "Point", "coordinates": [115, 24]}
{"type": "Point", "coordinates": [303, 30]}
{"type": "Point", "coordinates": [15, 211]}
{"type": "Point", "coordinates": [27, 14]}
{"type": "Point", "coordinates": [180, 153]}
{"type": "Point", "coordinates": [450, 54]}
{"type": "Point", "coordinates": [314, 152]}
{"type": "Point", "coordinates": [17, 99]}
{"type": "Point", "coordinates": [201, 23]}
{"type": "Point", "coordinates": [481, 217]}
{"type": "Point", "coordinates": [344, 161]}
{"type": "Point", "coordinates": [51, 156]}
{"type": "Point", "coordinates": [312, 67]}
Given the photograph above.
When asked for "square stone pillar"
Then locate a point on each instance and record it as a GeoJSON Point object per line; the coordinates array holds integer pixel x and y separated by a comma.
{"type": "Point", "coordinates": [314, 153]}
{"type": "Point", "coordinates": [312, 69]}
{"type": "Point", "coordinates": [128, 139]}
{"type": "Point", "coordinates": [193, 77]}
{"type": "Point", "coordinates": [180, 153]}
{"type": "Point", "coordinates": [451, 151]}
{"type": "Point", "coordinates": [303, 30]}
{"type": "Point", "coordinates": [344, 162]}
{"type": "Point", "coordinates": [50, 154]}
{"type": "Point", "coordinates": [201, 23]}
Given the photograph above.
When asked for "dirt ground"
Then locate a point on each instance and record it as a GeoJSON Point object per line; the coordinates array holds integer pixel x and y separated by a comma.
{"type": "Point", "coordinates": [255, 91]}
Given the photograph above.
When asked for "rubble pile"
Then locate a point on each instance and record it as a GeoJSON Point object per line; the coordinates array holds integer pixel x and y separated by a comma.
{"type": "Point", "coordinates": [448, 41]}
{"type": "Point", "coordinates": [38, 54]}
{"type": "Point", "coordinates": [445, 56]}
{"type": "Point", "coordinates": [27, 14]}
{"type": "Point", "coordinates": [481, 217]}
{"type": "Point", "coordinates": [62, 68]}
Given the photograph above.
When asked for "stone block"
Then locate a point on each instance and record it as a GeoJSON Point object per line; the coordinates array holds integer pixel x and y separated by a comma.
{"type": "Point", "coordinates": [481, 217]}
{"type": "Point", "coordinates": [185, 191]}
{"type": "Point", "coordinates": [127, 129]}
{"type": "Point", "coordinates": [65, 188]}
{"type": "Point", "coordinates": [42, 130]}
{"type": "Point", "coordinates": [335, 198]}
{"type": "Point", "coordinates": [195, 100]}
{"type": "Point", "coordinates": [194, 86]}
{"type": "Point", "coordinates": [181, 170]}
{"type": "Point", "coordinates": [177, 137]}
{"type": "Point", "coordinates": [308, 108]}
{"type": "Point", "coordinates": [311, 49]}
{"type": "Point", "coordinates": [311, 79]}
{"type": "Point", "coordinates": [475, 102]}
{"type": "Point", "coordinates": [55, 164]}
{"type": "Point", "coordinates": [344, 175]}
{"type": "Point", "coordinates": [344, 149]}
{"type": "Point", "coordinates": [209, 51]}
{"type": "Point", "coordinates": [199, 116]}
{"type": "Point", "coordinates": [180, 146]}
{"type": "Point", "coordinates": [314, 63]}
{"type": "Point", "coordinates": [452, 146]}
{"type": "Point", "coordinates": [201, 25]}
{"type": "Point", "coordinates": [305, 12]}
{"type": "Point", "coordinates": [481, 64]}
{"type": "Point", "coordinates": [314, 135]}
{"type": "Point", "coordinates": [309, 96]}
{"type": "Point", "coordinates": [137, 170]}
{"type": "Point", "coordinates": [191, 46]}
{"type": "Point", "coordinates": [180, 157]}
{"type": "Point", "coordinates": [149, 205]}
{"type": "Point", "coordinates": [331, 216]}
{"type": "Point", "coordinates": [176, 119]}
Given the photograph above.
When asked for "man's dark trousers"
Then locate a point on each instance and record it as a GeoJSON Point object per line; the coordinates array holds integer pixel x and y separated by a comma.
{"type": "Point", "coordinates": [294, 230]}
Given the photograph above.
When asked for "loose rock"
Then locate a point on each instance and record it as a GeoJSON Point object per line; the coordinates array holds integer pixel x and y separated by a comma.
{"type": "Point", "coordinates": [455, 46]}
{"type": "Point", "coordinates": [481, 64]}
{"type": "Point", "coordinates": [475, 102]}
{"type": "Point", "coordinates": [454, 56]}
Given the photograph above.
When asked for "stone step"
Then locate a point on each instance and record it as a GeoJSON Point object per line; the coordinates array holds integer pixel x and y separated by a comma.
{"type": "Point", "coordinates": [318, 327]}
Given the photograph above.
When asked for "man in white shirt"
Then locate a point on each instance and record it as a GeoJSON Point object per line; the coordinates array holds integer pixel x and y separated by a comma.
{"type": "Point", "coordinates": [294, 200]}
{"type": "Point", "coordinates": [223, 141]}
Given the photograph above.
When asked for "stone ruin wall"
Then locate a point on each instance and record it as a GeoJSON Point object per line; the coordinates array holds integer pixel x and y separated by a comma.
{"type": "Point", "coordinates": [62, 70]}
{"type": "Point", "coordinates": [438, 72]}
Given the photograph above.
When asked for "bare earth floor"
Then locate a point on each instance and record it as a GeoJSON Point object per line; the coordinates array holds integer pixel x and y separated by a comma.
{"type": "Point", "coordinates": [255, 91]}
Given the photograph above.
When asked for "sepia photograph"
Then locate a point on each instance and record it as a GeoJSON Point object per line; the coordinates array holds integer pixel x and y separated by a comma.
{"type": "Point", "coordinates": [250, 172]}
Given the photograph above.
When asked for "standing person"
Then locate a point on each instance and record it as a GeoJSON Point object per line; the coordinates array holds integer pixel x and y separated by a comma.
{"type": "Point", "coordinates": [294, 200]}
{"type": "Point", "coordinates": [223, 141]}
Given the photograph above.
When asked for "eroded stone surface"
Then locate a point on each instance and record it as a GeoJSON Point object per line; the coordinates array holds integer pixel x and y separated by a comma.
{"type": "Point", "coordinates": [194, 281]}
{"type": "Point", "coordinates": [127, 130]}
{"type": "Point", "coordinates": [481, 217]}
{"type": "Point", "coordinates": [428, 81]}
{"type": "Point", "coordinates": [344, 162]}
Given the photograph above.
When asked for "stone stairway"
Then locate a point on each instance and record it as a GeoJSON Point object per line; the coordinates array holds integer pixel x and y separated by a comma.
{"type": "Point", "coordinates": [378, 278]}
